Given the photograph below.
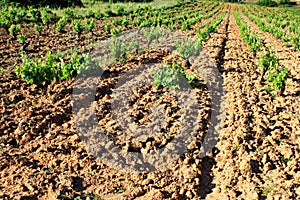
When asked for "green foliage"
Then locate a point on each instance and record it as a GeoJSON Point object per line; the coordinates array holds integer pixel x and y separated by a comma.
{"type": "Point", "coordinates": [171, 27]}
{"type": "Point", "coordinates": [50, 67]}
{"type": "Point", "coordinates": [180, 69]}
{"type": "Point", "coordinates": [11, 15]}
{"type": "Point", "coordinates": [210, 28]}
{"type": "Point", "coordinates": [167, 77]}
{"type": "Point", "coordinates": [38, 28]}
{"type": "Point", "coordinates": [13, 29]}
{"type": "Point", "coordinates": [98, 15]}
{"type": "Point", "coordinates": [90, 13]}
{"type": "Point", "coordinates": [116, 31]}
{"type": "Point", "coordinates": [60, 25]}
{"type": "Point", "coordinates": [203, 34]}
{"type": "Point", "coordinates": [188, 48]}
{"type": "Point", "coordinates": [69, 13]}
{"type": "Point", "coordinates": [119, 49]}
{"type": "Point", "coordinates": [17, 15]}
{"type": "Point", "coordinates": [44, 3]}
{"type": "Point", "coordinates": [145, 23]}
{"type": "Point", "coordinates": [121, 10]}
{"type": "Point", "coordinates": [48, 16]}
{"type": "Point", "coordinates": [170, 77]}
{"type": "Point", "coordinates": [296, 41]}
{"type": "Point", "coordinates": [71, 68]}
{"type": "Point", "coordinates": [106, 28]}
{"type": "Point", "coordinates": [153, 33]}
{"type": "Point", "coordinates": [116, 22]}
{"type": "Point", "coordinates": [35, 14]}
{"type": "Point", "coordinates": [89, 24]}
{"type": "Point", "coordinates": [39, 71]}
{"type": "Point", "coordinates": [109, 12]}
{"type": "Point", "coordinates": [186, 26]}
{"type": "Point", "coordinates": [77, 26]}
{"type": "Point", "coordinates": [253, 41]}
{"type": "Point", "coordinates": [250, 38]}
{"type": "Point", "coordinates": [21, 39]}
{"type": "Point", "coordinates": [125, 22]}
{"type": "Point", "coordinates": [269, 61]}
{"type": "Point", "coordinates": [277, 75]}
{"type": "Point", "coordinates": [269, 3]}
{"type": "Point", "coordinates": [141, 1]}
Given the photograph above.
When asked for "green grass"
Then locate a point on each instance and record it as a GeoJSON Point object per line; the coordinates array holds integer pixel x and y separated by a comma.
{"type": "Point", "coordinates": [102, 6]}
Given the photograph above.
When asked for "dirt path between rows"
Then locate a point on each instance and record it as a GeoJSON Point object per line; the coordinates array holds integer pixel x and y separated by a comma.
{"type": "Point", "coordinates": [259, 135]}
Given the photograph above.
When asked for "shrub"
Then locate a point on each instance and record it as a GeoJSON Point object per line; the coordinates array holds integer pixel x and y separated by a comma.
{"type": "Point", "coordinates": [120, 49]}
{"type": "Point", "coordinates": [285, 2]}
{"type": "Point", "coordinates": [170, 77]}
{"type": "Point", "coordinates": [89, 24]}
{"type": "Point", "coordinates": [277, 75]}
{"type": "Point", "coordinates": [167, 77]}
{"type": "Point", "coordinates": [77, 27]}
{"type": "Point", "coordinates": [13, 29]}
{"type": "Point", "coordinates": [269, 3]}
{"type": "Point", "coordinates": [60, 25]}
{"type": "Point", "coordinates": [188, 48]}
{"type": "Point", "coordinates": [106, 28]}
{"type": "Point", "coordinates": [69, 13]}
{"type": "Point", "coordinates": [121, 10]}
{"type": "Point", "coordinates": [42, 70]}
{"type": "Point", "coordinates": [21, 39]}
{"type": "Point", "coordinates": [153, 33]}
